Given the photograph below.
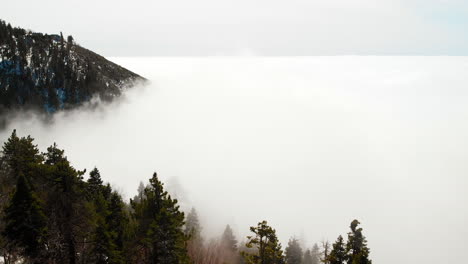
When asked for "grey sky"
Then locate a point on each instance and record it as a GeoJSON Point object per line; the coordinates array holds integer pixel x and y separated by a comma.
{"type": "Point", "coordinates": [307, 143]}
{"type": "Point", "coordinates": [246, 27]}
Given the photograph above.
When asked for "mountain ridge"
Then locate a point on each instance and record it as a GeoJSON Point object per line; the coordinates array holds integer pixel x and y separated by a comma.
{"type": "Point", "coordinates": [48, 73]}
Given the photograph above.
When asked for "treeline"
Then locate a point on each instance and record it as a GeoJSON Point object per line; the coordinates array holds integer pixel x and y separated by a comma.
{"type": "Point", "coordinates": [49, 72]}
{"type": "Point", "coordinates": [51, 213]}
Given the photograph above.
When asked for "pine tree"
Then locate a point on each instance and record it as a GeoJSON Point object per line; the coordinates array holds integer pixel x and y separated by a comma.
{"type": "Point", "coordinates": [267, 245]}
{"type": "Point", "coordinates": [192, 225]}
{"type": "Point", "coordinates": [95, 182]}
{"type": "Point", "coordinates": [228, 239]}
{"type": "Point", "coordinates": [54, 155]}
{"type": "Point", "coordinates": [70, 212]}
{"type": "Point", "coordinates": [103, 245]}
{"type": "Point", "coordinates": [159, 231]}
{"type": "Point", "coordinates": [25, 221]}
{"type": "Point", "coordinates": [338, 252]}
{"type": "Point", "coordinates": [315, 254]}
{"type": "Point", "coordinates": [307, 259]}
{"type": "Point", "coordinates": [293, 252]}
{"type": "Point", "coordinates": [108, 234]}
{"type": "Point", "coordinates": [356, 247]}
{"type": "Point", "coordinates": [228, 246]}
{"type": "Point", "coordinates": [117, 223]}
{"type": "Point", "coordinates": [195, 243]}
{"type": "Point", "coordinates": [20, 154]}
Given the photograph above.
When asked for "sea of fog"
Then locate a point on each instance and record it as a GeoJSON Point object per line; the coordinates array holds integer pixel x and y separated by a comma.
{"type": "Point", "coordinates": [307, 143]}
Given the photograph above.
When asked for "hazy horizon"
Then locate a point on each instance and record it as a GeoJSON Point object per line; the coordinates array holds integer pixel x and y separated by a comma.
{"type": "Point", "coordinates": [225, 27]}
{"type": "Point", "coordinates": [379, 139]}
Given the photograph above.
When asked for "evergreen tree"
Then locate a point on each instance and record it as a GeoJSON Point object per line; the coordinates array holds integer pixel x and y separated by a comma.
{"type": "Point", "coordinates": [267, 245]}
{"type": "Point", "coordinates": [356, 247]}
{"type": "Point", "coordinates": [293, 252]}
{"type": "Point", "coordinates": [192, 225]}
{"type": "Point", "coordinates": [159, 231]}
{"type": "Point", "coordinates": [54, 155]}
{"type": "Point", "coordinates": [103, 246]}
{"type": "Point", "coordinates": [338, 252]}
{"type": "Point", "coordinates": [228, 246]}
{"type": "Point", "coordinates": [315, 253]}
{"type": "Point", "coordinates": [195, 243]}
{"type": "Point", "coordinates": [228, 240]}
{"type": "Point", "coordinates": [25, 221]}
{"type": "Point", "coordinates": [20, 154]}
{"type": "Point", "coordinates": [307, 259]}
{"type": "Point", "coordinates": [70, 213]}
{"type": "Point", "coordinates": [118, 222]}
{"type": "Point", "coordinates": [95, 182]}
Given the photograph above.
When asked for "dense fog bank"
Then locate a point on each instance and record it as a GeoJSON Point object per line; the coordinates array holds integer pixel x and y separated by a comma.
{"type": "Point", "coordinates": [308, 143]}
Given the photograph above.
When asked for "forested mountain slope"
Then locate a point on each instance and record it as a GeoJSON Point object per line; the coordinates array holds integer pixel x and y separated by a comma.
{"type": "Point", "coordinates": [50, 73]}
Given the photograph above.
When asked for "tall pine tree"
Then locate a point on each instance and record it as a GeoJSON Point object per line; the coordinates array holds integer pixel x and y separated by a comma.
{"type": "Point", "coordinates": [268, 248]}
{"type": "Point", "coordinates": [356, 248]}
{"type": "Point", "coordinates": [159, 235]}
{"type": "Point", "coordinates": [26, 222]}
{"type": "Point", "coordinates": [293, 252]}
{"type": "Point", "coordinates": [338, 252]}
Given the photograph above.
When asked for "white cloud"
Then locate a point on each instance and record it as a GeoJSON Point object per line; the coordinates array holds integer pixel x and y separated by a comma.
{"type": "Point", "coordinates": [381, 139]}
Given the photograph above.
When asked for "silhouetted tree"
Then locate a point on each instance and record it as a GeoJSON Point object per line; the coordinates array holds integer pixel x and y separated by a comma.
{"type": "Point", "coordinates": [228, 247]}
{"type": "Point", "coordinates": [356, 247]}
{"type": "Point", "coordinates": [315, 253]}
{"type": "Point", "coordinates": [26, 222]}
{"type": "Point", "coordinates": [159, 237]}
{"type": "Point", "coordinates": [267, 245]}
{"type": "Point", "coordinates": [338, 252]}
{"type": "Point", "coordinates": [307, 259]}
{"type": "Point", "coordinates": [293, 252]}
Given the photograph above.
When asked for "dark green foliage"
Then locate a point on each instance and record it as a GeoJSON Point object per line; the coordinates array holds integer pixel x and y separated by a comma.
{"type": "Point", "coordinates": [19, 157]}
{"type": "Point", "coordinates": [293, 252]}
{"type": "Point", "coordinates": [356, 248]}
{"type": "Point", "coordinates": [117, 222]}
{"type": "Point", "coordinates": [95, 182]}
{"type": "Point", "coordinates": [159, 236]}
{"type": "Point", "coordinates": [83, 226]}
{"type": "Point", "coordinates": [110, 221]}
{"type": "Point", "coordinates": [268, 248]}
{"type": "Point", "coordinates": [338, 252]}
{"type": "Point", "coordinates": [70, 214]}
{"type": "Point", "coordinates": [19, 154]}
{"type": "Point", "coordinates": [25, 221]}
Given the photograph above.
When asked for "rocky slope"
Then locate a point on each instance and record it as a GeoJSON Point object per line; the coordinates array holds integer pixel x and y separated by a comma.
{"type": "Point", "coordinates": [49, 73]}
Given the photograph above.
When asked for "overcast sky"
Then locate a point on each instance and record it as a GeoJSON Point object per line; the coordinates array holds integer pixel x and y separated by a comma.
{"type": "Point", "coordinates": [251, 27]}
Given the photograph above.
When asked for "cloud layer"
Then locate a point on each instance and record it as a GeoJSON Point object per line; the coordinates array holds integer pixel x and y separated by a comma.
{"type": "Point", "coordinates": [306, 143]}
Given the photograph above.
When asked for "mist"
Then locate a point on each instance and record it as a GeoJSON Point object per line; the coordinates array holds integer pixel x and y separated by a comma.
{"type": "Point", "coordinates": [307, 143]}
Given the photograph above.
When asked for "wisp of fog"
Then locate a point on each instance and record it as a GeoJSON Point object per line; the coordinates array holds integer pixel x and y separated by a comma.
{"type": "Point", "coordinates": [307, 143]}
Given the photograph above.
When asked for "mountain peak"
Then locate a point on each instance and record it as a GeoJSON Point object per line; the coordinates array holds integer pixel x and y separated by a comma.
{"type": "Point", "coordinates": [49, 73]}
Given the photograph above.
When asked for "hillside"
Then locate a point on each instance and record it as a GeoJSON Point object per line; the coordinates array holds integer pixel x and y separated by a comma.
{"type": "Point", "coordinates": [49, 73]}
